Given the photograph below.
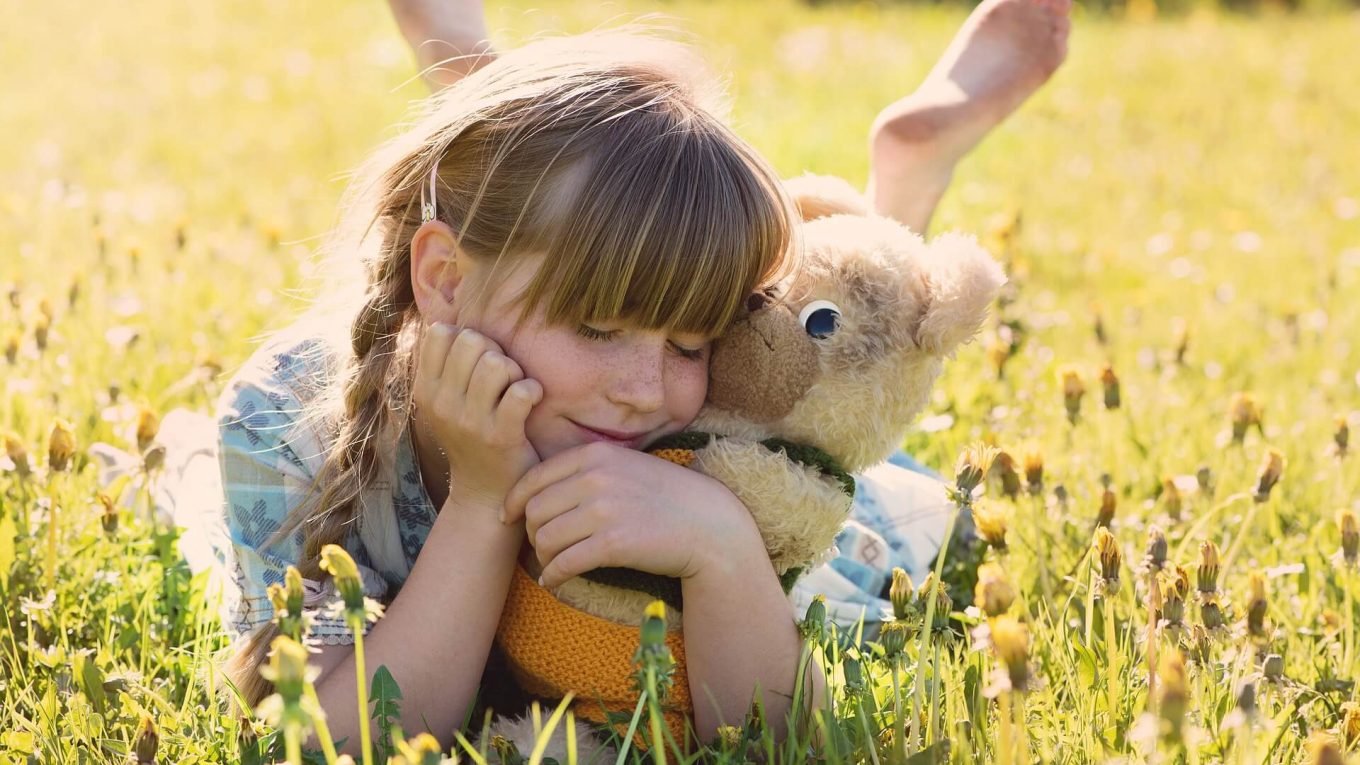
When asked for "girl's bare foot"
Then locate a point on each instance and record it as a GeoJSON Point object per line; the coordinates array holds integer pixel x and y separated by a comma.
{"type": "Point", "coordinates": [1005, 50]}
{"type": "Point", "coordinates": [449, 37]}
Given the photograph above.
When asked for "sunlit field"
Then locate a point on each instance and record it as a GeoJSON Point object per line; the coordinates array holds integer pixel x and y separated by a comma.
{"type": "Point", "coordinates": [1176, 355]}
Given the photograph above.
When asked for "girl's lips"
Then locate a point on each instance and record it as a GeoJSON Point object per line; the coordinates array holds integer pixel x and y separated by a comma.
{"type": "Point", "coordinates": [619, 438]}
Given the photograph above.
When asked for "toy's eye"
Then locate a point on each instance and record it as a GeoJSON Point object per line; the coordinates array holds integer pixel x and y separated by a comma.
{"type": "Point", "coordinates": [820, 318]}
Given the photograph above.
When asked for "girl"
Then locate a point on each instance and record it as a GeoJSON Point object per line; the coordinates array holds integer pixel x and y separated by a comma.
{"type": "Point", "coordinates": [501, 352]}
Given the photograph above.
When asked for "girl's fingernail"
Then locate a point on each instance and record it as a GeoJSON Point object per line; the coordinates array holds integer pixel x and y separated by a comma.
{"type": "Point", "coordinates": [540, 581]}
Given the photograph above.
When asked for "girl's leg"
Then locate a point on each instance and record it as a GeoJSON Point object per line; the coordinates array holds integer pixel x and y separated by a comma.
{"type": "Point", "coordinates": [449, 37]}
{"type": "Point", "coordinates": [1005, 50]}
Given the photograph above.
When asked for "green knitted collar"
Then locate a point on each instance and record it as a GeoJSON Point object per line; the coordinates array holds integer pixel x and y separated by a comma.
{"type": "Point", "coordinates": [668, 588]}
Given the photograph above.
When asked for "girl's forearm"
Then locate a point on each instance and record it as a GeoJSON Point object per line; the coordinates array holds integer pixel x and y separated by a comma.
{"type": "Point", "coordinates": [740, 630]}
{"type": "Point", "coordinates": [437, 632]}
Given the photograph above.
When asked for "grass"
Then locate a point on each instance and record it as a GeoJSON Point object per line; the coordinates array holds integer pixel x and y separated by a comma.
{"type": "Point", "coordinates": [1187, 181]}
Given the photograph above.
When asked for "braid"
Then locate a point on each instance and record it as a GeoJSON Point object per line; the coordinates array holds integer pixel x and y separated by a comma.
{"type": "Point", "coordinates": [374, 390]}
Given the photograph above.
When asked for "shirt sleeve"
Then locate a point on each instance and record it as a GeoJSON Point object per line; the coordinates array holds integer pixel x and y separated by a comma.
{"type": "Point", "coordinates": [264, 477]}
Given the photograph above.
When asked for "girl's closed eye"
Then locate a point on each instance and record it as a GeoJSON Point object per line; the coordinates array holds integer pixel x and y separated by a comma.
{"type": "Point", "coordinates": [687, 352]}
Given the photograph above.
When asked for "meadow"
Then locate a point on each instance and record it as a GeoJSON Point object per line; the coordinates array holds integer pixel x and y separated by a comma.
{"type": "Point", "coordinates": [1172, 373]}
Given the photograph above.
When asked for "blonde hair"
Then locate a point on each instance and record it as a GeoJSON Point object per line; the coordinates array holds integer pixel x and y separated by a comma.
{"type": "Point", "coordinates": [602, 151]}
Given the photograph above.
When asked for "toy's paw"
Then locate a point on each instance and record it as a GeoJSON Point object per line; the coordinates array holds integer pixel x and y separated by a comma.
{"type": "Point", "coordinates": [506, 738]}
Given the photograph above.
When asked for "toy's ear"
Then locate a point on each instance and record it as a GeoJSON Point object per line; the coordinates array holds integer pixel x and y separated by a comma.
{"type": "Point", "coordinates": [818, 196]}
{"type": "Point", "coordinates": [961, 281]}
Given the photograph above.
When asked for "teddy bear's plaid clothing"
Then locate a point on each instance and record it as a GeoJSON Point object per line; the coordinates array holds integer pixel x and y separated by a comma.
{"type": "Point", "coordinates": [269, 455]}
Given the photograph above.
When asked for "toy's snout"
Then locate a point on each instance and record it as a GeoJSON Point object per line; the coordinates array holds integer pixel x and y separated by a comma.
{"type": "Point", "coordinates": [764, 364]}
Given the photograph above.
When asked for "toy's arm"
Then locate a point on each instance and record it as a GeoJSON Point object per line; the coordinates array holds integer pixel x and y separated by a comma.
{"type": "Point", "coordinates": [798, 509]}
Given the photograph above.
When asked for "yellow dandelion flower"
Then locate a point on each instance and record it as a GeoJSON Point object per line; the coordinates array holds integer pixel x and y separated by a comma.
{"type": "Point", "coordinates": [1272, 467]}
{"type": "Point", "coordinates": [994, 592]}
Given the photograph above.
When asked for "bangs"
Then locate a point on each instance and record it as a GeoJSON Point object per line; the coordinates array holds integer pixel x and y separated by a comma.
{"type": "Point", "coordinates": [665, 226]}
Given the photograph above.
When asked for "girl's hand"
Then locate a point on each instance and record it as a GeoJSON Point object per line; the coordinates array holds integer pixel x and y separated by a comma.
{"type": "Point", "coordinates": [475, 400]}
{"type": "Point", "coordinates": [603, 505]}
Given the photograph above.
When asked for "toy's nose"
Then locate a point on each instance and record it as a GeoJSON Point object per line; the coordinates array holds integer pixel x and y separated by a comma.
{"type": "Point", "coordinates": [756, 301]}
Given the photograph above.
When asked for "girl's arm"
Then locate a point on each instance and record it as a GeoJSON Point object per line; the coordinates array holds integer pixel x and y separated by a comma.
{"type": "Point", "coordinates": [740, 632]}
{"type": "Point", "coordinates": [437, 632]}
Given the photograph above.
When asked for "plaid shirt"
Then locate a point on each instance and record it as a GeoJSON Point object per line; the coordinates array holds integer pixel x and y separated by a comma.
{"type": "Point", "coordinates": [269, 456]}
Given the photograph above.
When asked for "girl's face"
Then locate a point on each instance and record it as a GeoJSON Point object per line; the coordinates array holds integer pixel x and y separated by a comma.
{"type": "Point", "coordinates": [609, 382]}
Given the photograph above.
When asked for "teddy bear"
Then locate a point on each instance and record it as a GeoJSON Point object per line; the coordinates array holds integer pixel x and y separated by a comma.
{"type": "Point", "coordinates": [818, 379]}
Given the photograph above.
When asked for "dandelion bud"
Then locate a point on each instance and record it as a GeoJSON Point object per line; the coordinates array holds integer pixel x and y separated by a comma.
{"type": "Point", "coordinates": [108, 518]}
{"type": "Point", "coordinates": [15, 451]}
{"type": "Point", "coordinates": [421, 750]}
{"type": "Point", "coordinates": [13, 293]}
{"type": "Point", "coordinates": [1175, 587]}
{"type": "Point", "coordinates": [1010, 642]}
{"type": "Point", "coordinates": [1108, 502]}
{"type": "Point", "coordinates": [1072, 389]}
{"type": "Point", "coordinates": [42, 325]}
{"type": "Point", "coordinates": [288, 670]}
{"type": "Point", "coordinates": [1206, 577]}
{"type": "Point", "coordinates": [1273, 667]}
{"type": "Point", "coordinates": [1246, 699]}
{"type": "Point", "coordinates": [729, 737]}
{"type": "Point", "coordinates": [998, 354]}
{"type": "Point", "coordinates": [893, 637]}
{"type": "Point", "coordinates": [505, 749]}
{"type": "Point", "coordinates": [943, 603]}
{"type": "Point", "coordinates": [1204, 478]}
{"type": "Point", "coordinates": [1331, 621]}
{"type": "Point", "coordinates": [154, 458]}
{"type": "Point", "coordinates": [1171, 498]}
{"type": "Point", "coordinates": [1350, 535]}
{"type": "Point", "coordinates": [1060, 495]}
{"type": "Point", "coordinates": [1257, 604]}
{"type": "Point", "coordinates": [336, 562]}
{"type": "Point", "coordinates": [148, 424]}
{"type": "Point", "coordinates": [1342, 436]}
{"type": "Point", "coordinates": [854, 673]}
{"type": "Point", "coordinates": [12, 347]}
{"type": "Point", "coordinates": [1210, 612]}
{"type": "Point", "coordinates": [1322, 750]}
{"type": "Point", "coordinates": [1173, 693]}
{"type": "Point", "coordinates": [147, 741]}
{"type": "Point", "coordinates": [61, 446]}
{"type": "Point", "coordinates": [654, 625]}
{"type": "Point", "coordinates": [1110, 382]}
{"type": "Point", "coordinates": [994, 592]}
{"type": "Point", "coordinates": [1034, 468]}
{"type": "Point", "coordinates": [1271, 469]}
{"type": "Point", "coordinates": [1245, 413]}
{"type": "Point", "coordinates": [813, 624]}
{"type": "Point", "coordinates": [901, 594]}
{"type": "Point", "coordinates": [1181, 340]}
{"type": "Point", "coordinates": [1107, 552]}
{"type": "Point", "coordinates": [1010, 479]}
{"type": "Point", "coordinates": [1099, 328]}
{"type": "Point", "coordinates": [1155, 556]}
{"type": "Point", "coordinates": [73, 293]}
{"type": "Point", "coordinates": [972, 466]}
{"type": "Point", "coordinates": [990, 521]}
{"type": "Point", "coordinates": [1350, 724]}
{"type": "Point", "coordinates": [1198, 645]}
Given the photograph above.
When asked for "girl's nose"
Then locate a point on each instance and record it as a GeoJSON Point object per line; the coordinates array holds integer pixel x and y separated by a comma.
{"type": "Point", "coordinates": [640, 383]}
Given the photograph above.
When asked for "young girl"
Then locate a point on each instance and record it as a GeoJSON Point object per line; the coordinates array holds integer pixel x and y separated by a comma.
{"type": "Point", "coordinates": [501, 352]}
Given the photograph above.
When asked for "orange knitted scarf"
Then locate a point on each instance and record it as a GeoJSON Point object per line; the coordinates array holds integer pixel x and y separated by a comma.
{"type": "Point", "coordinates": [552, 648]}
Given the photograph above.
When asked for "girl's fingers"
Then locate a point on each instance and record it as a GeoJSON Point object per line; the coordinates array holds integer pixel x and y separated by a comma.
{"type": "Point", "coordinates": [556, 468]}
{"type": "Point", "coordinates": [519, 399]}
{"type": "Point", "coordinates": [434, 348]}
{"type": "Point", "coordinates": [489, 378]}
{"type": "Point", "coordinates": [466, 351]}
{"type": "Point", "coordinates": [587, 555]}
{"type": "Point", "coordinates": [552, 530]}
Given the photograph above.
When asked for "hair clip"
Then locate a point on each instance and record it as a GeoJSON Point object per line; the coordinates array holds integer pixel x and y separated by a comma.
{"type": "Point", "coordinates": [427, 209]}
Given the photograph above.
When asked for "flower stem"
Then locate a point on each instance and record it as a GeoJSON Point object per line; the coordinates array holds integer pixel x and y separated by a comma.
{"type": "Point", "coordinates": [1111, 657]}
{"type": "Point", "coordinates": [1005, 751]}
{"type": "Point", "coordinates": [900, 733]}
{"type": "Point", "coordinates": [365, 736]}
{"type": "Point", "coordinates": [928, 624]}
{"type": "Point", "coordinates": [323, 731]}
{"type": "Point", "coordinates": [292, 745]}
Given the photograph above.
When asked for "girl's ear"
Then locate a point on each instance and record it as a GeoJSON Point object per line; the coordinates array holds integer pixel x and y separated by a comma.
{"type": "Point", "coordinates": [438, 266]}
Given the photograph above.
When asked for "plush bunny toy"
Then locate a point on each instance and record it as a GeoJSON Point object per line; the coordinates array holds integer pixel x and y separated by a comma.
{"type": "Point", "coordinates": [818, 380]}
